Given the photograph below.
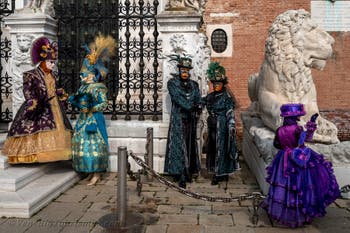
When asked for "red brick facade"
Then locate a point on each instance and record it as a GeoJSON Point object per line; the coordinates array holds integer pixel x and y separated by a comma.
{"type": "Point", "coordinates": [250, 23]}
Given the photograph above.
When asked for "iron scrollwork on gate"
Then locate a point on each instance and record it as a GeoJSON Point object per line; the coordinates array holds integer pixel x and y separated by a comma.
{"type": "Point", "coordinates": [6, 8]}
{"type": "Point", "coordinates": [134, 80]}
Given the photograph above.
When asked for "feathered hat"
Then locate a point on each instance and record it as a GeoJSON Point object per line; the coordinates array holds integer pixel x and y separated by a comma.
{"type": "Point", "coordinates": [289, 110]}
{"type": "Point", "coordinates": [216, 73]}
{"type": "Point", "coordinates": [99, 52]}
{"type": "Point", "coordinates": [184, 61]}
{"type": "Point", "coordinates": [43, 50]}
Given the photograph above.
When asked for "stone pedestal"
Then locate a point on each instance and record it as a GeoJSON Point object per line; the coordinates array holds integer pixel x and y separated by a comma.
{"type": "Point", "coordinates": [3, 159]}
{"type": "Point", "coordinates": [258, 151]}
{"type": "Point", "coordinates": [25, 26]}
{"type": "Point", "coordinates": [133, 135]}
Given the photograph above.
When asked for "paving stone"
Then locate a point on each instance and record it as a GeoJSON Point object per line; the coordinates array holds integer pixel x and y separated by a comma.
{"type": "Point", "coordinates": [342, 203]}
{"type": "Point", "coordinates": [54, 212]}
{"type": "Point", "coordinates": [133, 199]}
{"type": "Point", "coordinates": [169, 209]}
{"type": "Point", "coordinates": [98, 229]}
{"type": "Point", "coordinates": [207, 209]}
{"type": "Point", "coordinates": [110, 183]}
{"type": "Point", "coordinates": [148, 194]}
{"type": "Point", "coordinates": [148, 188]}
{"type": "Point", "coordinates": [228, 229]}
{"type": "Point", "coordinates": [177, 219]}
{"type": "Point", "coordinates": [71, 197]}
{"type": "Point", "coordinates": [108, 190]}
{"type": "Point", "coordinates": [43, 228]}
{"type": "Point", "coordinates": [185, 228]}
{"type": "Point", "coordinates": [166, 193]}
{"type": "Point", "coordinates": [93, 216]}
{"type": "Point", "coordinates": [335, 220]}
{"type": "Point", "coordinates": [77, 212]}
{"type": "Point", "coordinates": [263, 218]}
{"type": "Point", "coordinates": [224, 208]}
{"type": "Point", "coordinates": [2, 220]}
{"type": "Point", "coordinates": [14, 226]}
{"type": "Point", "coordinates": [156, 229]}
{"type": "Point", "coordinates": [313, 229]}
{"type": "Point", "coordinates": [210, 190]}
{"type": "Point", "coordinates": [100, 206]}
{"type": "Point", "coordinates": [242, 217]}
{"type": "Point", "coordinates": [215, 220]}
{"type": "Point", "coordinates": [103, 197]}
{"type": "Point", "coordinates": [181, 199]}
{"type": "Point", "coordinates": [77, 229]}
{"type": "Point", "coordinates": [278, 230]}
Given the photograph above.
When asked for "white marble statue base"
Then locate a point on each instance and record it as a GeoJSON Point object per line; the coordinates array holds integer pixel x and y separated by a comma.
{"type": "Point", "coordinates": [258, 152]}
{"type": "Point", "coordinates": [133, 135]}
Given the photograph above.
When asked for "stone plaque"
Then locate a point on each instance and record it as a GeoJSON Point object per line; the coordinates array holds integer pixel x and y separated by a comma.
{"type": "Point", "coordinates": [331, 15]}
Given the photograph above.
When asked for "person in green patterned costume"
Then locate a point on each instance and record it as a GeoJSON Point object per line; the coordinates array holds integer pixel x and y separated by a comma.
{"type": "Point", "coordinates": [181, 158]}
{"type": "Point", "coordinates": [221, 143]}
{"type": "Point", "coordinates": [90, 139]}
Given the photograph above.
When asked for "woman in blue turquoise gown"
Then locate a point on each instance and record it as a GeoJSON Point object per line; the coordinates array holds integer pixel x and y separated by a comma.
{"type": "Point", "coordinates": [90, 139]}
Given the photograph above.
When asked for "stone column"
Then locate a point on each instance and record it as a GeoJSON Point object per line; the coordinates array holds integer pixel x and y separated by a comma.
{"type": "Point", "coordinates": [25, 26]}
{"type": "Point", "coordinates": [180, 34]}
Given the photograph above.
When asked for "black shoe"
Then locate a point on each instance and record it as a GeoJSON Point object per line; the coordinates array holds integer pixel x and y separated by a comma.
{"type": "Point", "coordinates": [214, 180]}
{"type": "Point", "coordinates": [182, 184]}
{"type": "Point", "coordinates": [189, 178]}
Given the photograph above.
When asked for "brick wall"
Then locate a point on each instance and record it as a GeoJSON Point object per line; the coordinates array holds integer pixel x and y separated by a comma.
{"type": "Point", "coordinates": [250, 24]}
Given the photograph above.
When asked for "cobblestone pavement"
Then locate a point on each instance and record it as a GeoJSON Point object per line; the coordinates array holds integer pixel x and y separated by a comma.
{"type": "Point", "coordinates": [166, 211]}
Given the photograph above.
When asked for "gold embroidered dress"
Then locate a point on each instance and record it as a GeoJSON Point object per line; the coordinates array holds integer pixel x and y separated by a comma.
{"type": "Point", "coordinates": [47, 145]}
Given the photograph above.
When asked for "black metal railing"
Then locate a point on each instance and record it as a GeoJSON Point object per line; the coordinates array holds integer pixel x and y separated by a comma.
{"type": "Point", "coordinates": [6, 8]}
{"type": "Point", "coordinates": [134, 79]}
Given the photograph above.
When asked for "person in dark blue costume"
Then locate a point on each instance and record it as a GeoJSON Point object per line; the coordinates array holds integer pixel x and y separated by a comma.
{"type": "Point", "coordinates": [221, 142]}
{"type": "Point", "coordinates": [181, 159]}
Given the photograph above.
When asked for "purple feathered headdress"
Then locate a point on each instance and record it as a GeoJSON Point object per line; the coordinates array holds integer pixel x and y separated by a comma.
{"type": "Point", "coordinates": [289, 110]}
{"type": "Point", "coordinates": [43, 50]}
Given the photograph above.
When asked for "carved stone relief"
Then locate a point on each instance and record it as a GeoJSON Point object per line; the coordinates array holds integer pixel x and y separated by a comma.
{"type": "Point", "coordinates": [21, 61]}
{"type": "Point", "coordinates": [44, 6]}
{"type": "Point", "coordinates": [186, 5]}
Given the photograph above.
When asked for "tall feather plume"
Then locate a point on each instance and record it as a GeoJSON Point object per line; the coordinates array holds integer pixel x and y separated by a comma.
{"type": "Point", "coordinates": [104, 46]}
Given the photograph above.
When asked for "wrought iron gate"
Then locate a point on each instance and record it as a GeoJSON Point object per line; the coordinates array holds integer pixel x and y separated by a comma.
{"type": "Point", "coordinates": [6, 8]}
{"type": "Point", "coordinates": [134, 80]}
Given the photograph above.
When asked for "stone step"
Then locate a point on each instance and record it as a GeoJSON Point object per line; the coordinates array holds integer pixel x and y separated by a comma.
{"type": "Point", "coordinates": [23, 203]}
{"type": "Point", "coordinates": [15, 177]}
{"type": "Point", "coordinates": [3, 159]}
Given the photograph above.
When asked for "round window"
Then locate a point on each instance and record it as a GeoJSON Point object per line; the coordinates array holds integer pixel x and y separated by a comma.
{"type": "Point", "coordinates": [219, 40]}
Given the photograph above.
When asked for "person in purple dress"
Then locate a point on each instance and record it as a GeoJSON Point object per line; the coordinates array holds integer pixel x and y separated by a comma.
{"type": "Point", "coordinates": [302, 183]}
{"type": "Point", "coordinates": [40, 131]}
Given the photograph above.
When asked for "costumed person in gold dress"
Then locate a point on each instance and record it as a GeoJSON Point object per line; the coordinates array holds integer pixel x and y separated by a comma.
{"type": "Point", "coordinates": [40, 131]}
{"type": "Point", "coordinates": [90, 139]}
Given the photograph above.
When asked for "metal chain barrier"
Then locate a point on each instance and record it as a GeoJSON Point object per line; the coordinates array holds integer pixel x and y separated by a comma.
{"type": "Point", "coordinates": [256, 197]}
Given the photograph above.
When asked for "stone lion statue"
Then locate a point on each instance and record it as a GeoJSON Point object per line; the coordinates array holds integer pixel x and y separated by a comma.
{"type": "Point", "coordinates": [294, 45]}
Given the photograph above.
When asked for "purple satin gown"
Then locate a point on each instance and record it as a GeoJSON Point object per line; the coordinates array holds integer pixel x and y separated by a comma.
{"type": "Point", "coordinates": [302, 183]}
